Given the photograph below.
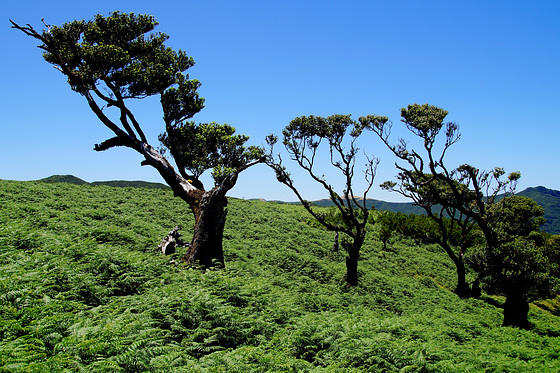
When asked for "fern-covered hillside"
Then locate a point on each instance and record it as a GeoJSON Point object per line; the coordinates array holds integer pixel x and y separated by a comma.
{"type": "Point", "coordinates": [549, 199]}
{"type": "Point", "coordinates": [83, 288]}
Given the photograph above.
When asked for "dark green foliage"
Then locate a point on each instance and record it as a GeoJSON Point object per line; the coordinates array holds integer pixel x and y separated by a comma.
{"type": "Point", "coordinates": [208, 146]}
{"type": "Point", "coordinates": [117, 49]}
{"type": "Point", "coordinates": [522, 266]}
{"type": "Point", "coordinates": [70, 301]}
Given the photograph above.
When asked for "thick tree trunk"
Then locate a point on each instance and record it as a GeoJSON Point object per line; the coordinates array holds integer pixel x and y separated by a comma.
{"type": "Point", "coordinates": [206, 247]}
{"type": "Point", "coordinates": [462, 289]}
{"type": "Point", "coordinates": [351, 276]}
{"type": "Point", "coordinates": [516, 309]}
{"type": "Point", "coordinates": [208, 207]}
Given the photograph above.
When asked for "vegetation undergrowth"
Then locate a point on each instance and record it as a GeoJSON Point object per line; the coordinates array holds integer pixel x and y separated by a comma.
{"type": "Point", "coordinates": [83, 288]}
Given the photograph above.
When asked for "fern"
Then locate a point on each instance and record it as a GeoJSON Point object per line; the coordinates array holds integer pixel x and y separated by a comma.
{"type": "Point", "coordinates": [72, 302]}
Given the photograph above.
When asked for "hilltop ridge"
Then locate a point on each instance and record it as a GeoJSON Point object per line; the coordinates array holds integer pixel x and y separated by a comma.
{"type": "Point", "coordinates": [71, 179]}
{"type": "Point", "coordinates": [549, 199]}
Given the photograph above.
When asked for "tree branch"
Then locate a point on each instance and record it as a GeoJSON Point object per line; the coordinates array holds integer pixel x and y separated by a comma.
{"type": "Point", "coordinates": [110, 143]}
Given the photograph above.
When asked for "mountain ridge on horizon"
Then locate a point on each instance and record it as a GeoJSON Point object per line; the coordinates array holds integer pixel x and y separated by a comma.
{"type": "Point", "coordinates": [549, 199]}
{"type": "Point", "coordinates": [71, 179]}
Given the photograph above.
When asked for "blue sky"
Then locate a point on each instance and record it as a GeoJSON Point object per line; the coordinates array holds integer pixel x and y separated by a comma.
{"type": "Point", "coordinates": [494, 65]}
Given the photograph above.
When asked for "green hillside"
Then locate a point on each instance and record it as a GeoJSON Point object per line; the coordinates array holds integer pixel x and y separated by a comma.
{"type": "Point", "coordinates": [83, 289]}
{"type": "Point", "coordinates": [550, 200]}
{"type": "Point", "coordinates": [113, 183]}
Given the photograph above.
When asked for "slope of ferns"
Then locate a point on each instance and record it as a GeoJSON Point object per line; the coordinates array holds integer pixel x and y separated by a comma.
{"type": "Point", "coordinates": [82, 288]}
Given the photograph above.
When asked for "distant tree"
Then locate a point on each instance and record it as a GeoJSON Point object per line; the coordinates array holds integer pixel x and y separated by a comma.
{"type": "Point", "coordinates": [113, 60]}
{"type": "Point", "coordinates": [552, 251]}
{"type": "Point", "coordinates": [386, 221]}
{"type": "Point", "coordinates": [302, 138]}
{"type": "Point", "coordinates": [523, 264]}
{"type": "Point", "coordinates": [461, 195]}
{"type": "Point", "coordinates": [424, 228]}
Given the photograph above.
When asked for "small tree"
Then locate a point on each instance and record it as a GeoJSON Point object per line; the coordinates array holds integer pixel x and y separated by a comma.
{"type": "Point", "coordinates": [461, 195]}
{"type": "Point", "coordinates": [425, 228]}
{"type": "Point", "coordinates": [302, 138]}
{"type": "Point", "coordinates": [112, 60]}
{"type": "Point", "coordinates": [521, 266]}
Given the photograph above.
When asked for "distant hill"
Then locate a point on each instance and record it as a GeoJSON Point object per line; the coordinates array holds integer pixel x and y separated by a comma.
{"type": "Point", "coordinates": [131, 184]}
{"type": "Point", "coordinates": [549, 199]}
{"type": "Point", "coordinates": [71, 179]}
{"type": "Point", "coordinates": [404, 207]}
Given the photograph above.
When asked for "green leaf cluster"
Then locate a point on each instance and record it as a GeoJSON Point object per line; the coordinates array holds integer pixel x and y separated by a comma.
{"type": "Point", "coordinates": [525, 259]}
{"type": "Point", "coordinates": [200, 147]}
{"type": "Point", "coordinates": [116, 51]}
{"type": "Point", "coordinates": [424, 120]}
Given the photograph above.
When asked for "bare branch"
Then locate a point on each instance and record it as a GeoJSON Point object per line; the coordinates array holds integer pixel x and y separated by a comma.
{"type": "Point", "coordinates": [110, 143]}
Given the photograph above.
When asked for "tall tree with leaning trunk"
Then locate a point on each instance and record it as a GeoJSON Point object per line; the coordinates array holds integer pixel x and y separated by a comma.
{"type": "Point", "coordinates": [462, 194]}
{"type": "Point", "coordinates": [115, 59]}
{"type": "Point", "coordinates": [302, 138]}
{"type": "Point", "coordinates": [514, 259]}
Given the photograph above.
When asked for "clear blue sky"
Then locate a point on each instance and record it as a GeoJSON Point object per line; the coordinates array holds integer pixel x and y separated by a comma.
{"type": "Point", "coordinates": [494, 65]}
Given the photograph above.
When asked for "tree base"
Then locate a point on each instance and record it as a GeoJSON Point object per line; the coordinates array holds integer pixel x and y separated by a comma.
{"type": "Point", "coordinates": [516, 310]}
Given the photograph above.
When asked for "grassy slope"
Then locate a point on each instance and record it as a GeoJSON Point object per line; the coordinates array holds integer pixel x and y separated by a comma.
{"type": "Point", "coordinates": [82, 288]}
{"type": "Point", "coordinates": [548, 198]}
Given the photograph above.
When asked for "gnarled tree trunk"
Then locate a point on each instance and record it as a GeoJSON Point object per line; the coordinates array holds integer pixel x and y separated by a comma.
{"type": "Point", "coordinates": [206, 248]}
